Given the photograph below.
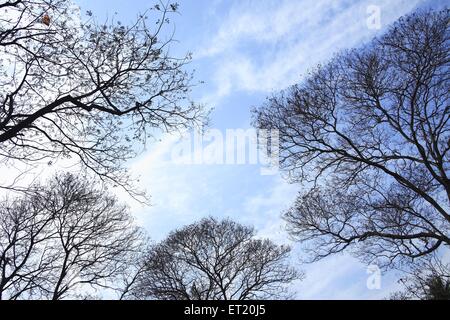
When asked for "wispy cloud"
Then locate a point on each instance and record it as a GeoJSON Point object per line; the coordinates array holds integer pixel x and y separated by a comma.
{"type": "Point", "coordinates": [265, 46]}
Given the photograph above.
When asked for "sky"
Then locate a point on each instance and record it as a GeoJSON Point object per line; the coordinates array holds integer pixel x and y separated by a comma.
{"type": "Point", "coordinates": [244, 51]}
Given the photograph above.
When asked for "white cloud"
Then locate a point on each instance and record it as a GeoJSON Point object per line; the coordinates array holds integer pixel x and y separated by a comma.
{"type": "Point", "coordinates": [261, 22]}
{"type": "Point", "coordinates": [180, 193]}
{"type": "Point", "coordinates": [264, 210]}
{"type": "Point", "coordinates": [269, 45]}
{"type": "Point", "coordinates": [342, 277]}
{"type": "Point", "coordinates": [259, 47]}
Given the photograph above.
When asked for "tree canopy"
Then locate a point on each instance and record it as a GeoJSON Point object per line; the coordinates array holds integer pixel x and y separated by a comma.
{"type": "Point", "coordinates": [368, 136]}
{"type": "Point", "coordinates": [75, 88]}
{"type": "Point", "coordinates": [69, 238]}
{"type": "Point", "coordinates": [215, 260]}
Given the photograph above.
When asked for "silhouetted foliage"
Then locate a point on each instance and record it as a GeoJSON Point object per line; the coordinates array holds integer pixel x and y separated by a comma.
{"type": "Point", "coordinates": [66, 239]}
{"type": "Point", "coordinates": [215, 260]}
{"type": "Point", "coordinates": [368, 135]}
{"type": "Point", "coordinates": [74, 88]}
{"type": "Point", "coordinates": [428, 280]}
{"type": "Point", "coordinates": [438, 289]}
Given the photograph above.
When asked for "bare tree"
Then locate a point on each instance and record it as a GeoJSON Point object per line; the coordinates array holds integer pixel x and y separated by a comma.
{"type": "Point", "coordinates": [427, 280]}
{"type": "Point", "coordinates": [128, 278]}
{"type": "Point", "coordinates": [215, 260]}
{"type": "Point", "coordinates": [69, 239]}
{"type": "Point", "coordinates": [24, 260]}
{"type": "Point", "coordinates": [74, 88]}
{"type": "Point", "coordinates": [368, 136]}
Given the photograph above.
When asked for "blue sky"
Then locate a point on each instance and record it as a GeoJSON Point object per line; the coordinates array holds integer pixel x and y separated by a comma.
{"type": "Point", "coordinates": [245, 51]}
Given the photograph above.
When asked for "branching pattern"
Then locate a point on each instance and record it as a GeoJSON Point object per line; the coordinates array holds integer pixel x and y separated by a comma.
{"type": "Point", "coordinates": [369, 136]}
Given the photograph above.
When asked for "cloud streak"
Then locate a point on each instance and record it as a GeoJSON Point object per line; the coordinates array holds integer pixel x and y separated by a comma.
{"type": "Point", "coordinates": [267, 46]}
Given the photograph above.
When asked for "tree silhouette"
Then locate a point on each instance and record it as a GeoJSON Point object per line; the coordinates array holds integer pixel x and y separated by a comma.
{"type": "Point", "coordinates": [438, 289]}
{"type": "Point", "coordinates": [69, 237]}
{"type": "Point", "coordinates": [368, 136]}
{"type": "Point", "coordinates": [214, 260]}
{"type": "Point", "coordinates": [74, 88]}
{"type": "Point", "coordinates": [428, 280]}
